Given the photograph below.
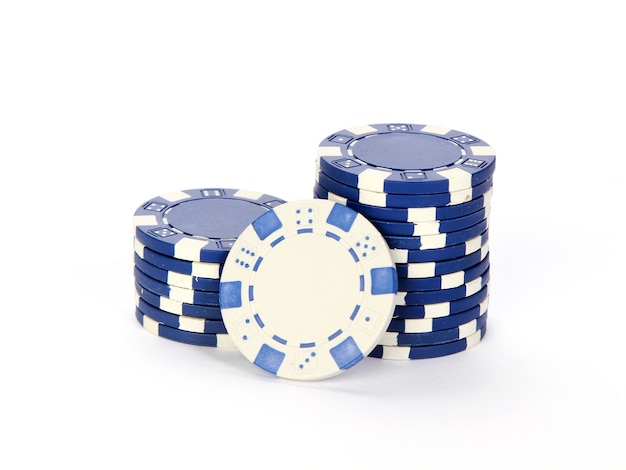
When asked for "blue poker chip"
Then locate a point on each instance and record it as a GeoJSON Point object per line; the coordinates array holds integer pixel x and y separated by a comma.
{"type": "Point", "coordinates": [178, 308]}
{"type": "Point", "coordinates": [187, 337]}
{"type": "Point", "coordinates": [190, 296]}
{"type": "Point", "coordinates": [442, 309]}
{"type": "Point", "coordinates": [442, 240]}
{"type": "Point", "coordinates": [199, 224]}
{"type": "Point", "coordinates": [426, 325]}
{"type": "Point", "coordinates": [172, 278]}
{"type": "Point", "coordinates": [434, 337]}
{"type": "Point", "coordinates": [436, 255]}
{"type": "Point", "coordinates": [445, 281]}
{"type": "Point", "coordinates": [444, 295]}
{"type": "Point", "coordinates": [180, 322]}
{"type": "Point", "coordinates": [406, 158]}
{"type": "Point", "coordinates": [412, 214]}
{"type": "Point", "coordinates": [402, 200]}
{"type": "Point", "coordinates": [428, 352]}
{"type": "Point", "coordinates": [439, 268]}
{"type": "Point", "coordinates": [191, 268]}
{"type": "Point", "coordinates": [409, 229]}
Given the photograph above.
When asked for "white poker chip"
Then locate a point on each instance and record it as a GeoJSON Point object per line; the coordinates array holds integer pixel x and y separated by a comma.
{"type": "Point", "coordinates": [308, 289]}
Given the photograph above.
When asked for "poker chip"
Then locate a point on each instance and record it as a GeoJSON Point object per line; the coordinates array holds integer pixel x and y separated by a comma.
{"type": "Point", "coordinates": [199, 224]}
{"type": "Point", "coordinates": [180, 322]}
{"type": "Point", "coordinates": [434, 337]}
{"type": "Point", "coordinates": [390, 258]}
{"type": "Point", "coordinates": [426, 325]}
{"type": "Point", "coordinates": [406, 158]}
{"type": "Point", "coordinates": [181, 242]}
{"type": "Point", "coordinates": [308, 289]}
{"type": "Point", "coordinates": [371, 198]}
{"type": "Point", "coordinates": [428, 190]}
{"type": "Point", "coordinates": [405, 353]}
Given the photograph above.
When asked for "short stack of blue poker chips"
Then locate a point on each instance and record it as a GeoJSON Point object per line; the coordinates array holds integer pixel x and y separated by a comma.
{"type": "Point", "coordinates": [181, 242]}
{"type": "Point", "coordinates": [428, 191]}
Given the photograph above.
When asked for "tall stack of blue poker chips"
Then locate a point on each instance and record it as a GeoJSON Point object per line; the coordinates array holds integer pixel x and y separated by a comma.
{"type": "Point", "coordinates": [181, 242]}
{"type": "Point", "coordinates": [428, 190]}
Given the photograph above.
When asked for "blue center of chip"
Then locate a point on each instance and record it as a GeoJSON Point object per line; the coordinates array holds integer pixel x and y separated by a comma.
{"type": "Point", "coordinates": [214, 217]}
{"type": "Point", "coordinates": [406, 151]}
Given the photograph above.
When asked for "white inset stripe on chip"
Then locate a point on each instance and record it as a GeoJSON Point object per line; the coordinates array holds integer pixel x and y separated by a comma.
{"type": "Point", "coordinates": [224, 341]}
{"type": "Point", "coordinates": [373, 180]}
{"type": "Point", "coordinates": [358, 130]}
{"type": "Point", "coordinates": [193, 324]}
{"type": "Point", "coordinates": [139, 248]}
{"type": "Point", "coordinates": [437, 310]}
{"type": "Point", "coordinates": [457, 178]}
{"type": "Point", "coordinates": [421, 214]}
{"type": "Point", "coordinates": [421, 270]}
{"type": "Point", "coordinates": [418, 325]}
{"type": "Point", "coordinates": [181, 295]}
{"type": "Point", "coordinates": [189, 248]}
{"type": "Point", "coordinates": [329, 152]}
{"type": "Point", "coordinates": [426, 228]}
{"type": "Point", "coordinates": [433, 241]}
{"type": "Point", "coordinates": [336, 198]}
{"type": "Point", "coordinates": [473, 339]}
{"type": "Point", "coordinates": [436, 130]}
{"type": "Point", "coordinates": [399, 255]}
{"type": "Point", "coordinates": [396, 352]}
{"type": "Point", "coordinates": [150, 325]}
{"type": "Point", "coordinates": [482, 151]}
{"type": "Point", "coordinates": [473, 245]}
{"type": "Point", "coordinates": [142, 220]}
{"type": "Point", "coordinates": [467, 329]}
{"type": "Point", "coordinates": [448, 281]}
{"type": "Point", "coordinates": [473, 286]}
{"type": "Point", "coordinates": [175, 196]}
{"type": "Point", "coordinates": [461, 196]}
{"type": "Point", "coordinates": [178, 279]}
{"type": "Point", "coordinates": [254, 195]}
{"type": "Point", "coordinates": [209, 270]}
{"type": "Point", "coordinates": [170, 306]}
{"type": "Point", "coordinates": [373, 199]}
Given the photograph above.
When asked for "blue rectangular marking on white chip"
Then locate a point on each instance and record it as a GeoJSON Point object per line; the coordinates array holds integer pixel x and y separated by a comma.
{"type": "Point", "coordinates": [251, 293]}
{"type": "Point", "coordinates": [307, 345]}
{"type": "Point", "coordinates": [342, 217]}
{"type": "Point", "coordinates": [384, 281]}
{"type": "Point", "coordinates": [230, 294]}
{"type": "Point", "coordinates": [332, 235]}
{"type": "Point", "coordinates": [361, 282]}
{"type": "Point", "coordinates": [267, 224]}
{"type": "Point", "coordinates": [305, 230]}
{"type": "Point", "coordinates": [335, 334]}
{"type": "Point", "coordinates": [269, 359]}
{"type": "Point", "coordinates": [277, 241]}
{"type": "Point", "coordinates": [347, 353]}
{"type": "Point", "coordinates": [258, 262]}
{"type": "Point", "coordinates": [258, 320]}
{"type": "Point", "coordinates": [354, 255]}
{"type": "Point", "coordinates": [278, 339]}
{"type": "Point", "coordinates": [355, 311]}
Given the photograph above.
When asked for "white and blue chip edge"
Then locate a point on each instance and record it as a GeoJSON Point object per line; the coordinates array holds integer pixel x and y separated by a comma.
{"type": "Point", "coordinates": [308, 289]}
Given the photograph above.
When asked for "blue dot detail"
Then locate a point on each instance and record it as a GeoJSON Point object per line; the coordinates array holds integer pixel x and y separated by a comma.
{"type": "Point", "coordinates": [247, 320]}
{"type": "Point", "coordinates": [310, 221]}
{"type": "Point", "coordinates": [313, 354]}
{"type": "Point", "coordinates": [301, 366]}
{"type": "Point", "coordinates": [247, 265]}
{"type": "Point", "coordinates": [245, 337]}
{"type": "Point", "coordinates": [365, 246]}
{"type": "Point", "coordinates": [298, 211]}
{"type": "Point", "coordinates": [298, 222]}
{"type": "Point", "coordinates": [367, 318]}
{"type": "Point", "coordinates": [358, 243]}
{"type": "Point", "coordinates": [307, 360]}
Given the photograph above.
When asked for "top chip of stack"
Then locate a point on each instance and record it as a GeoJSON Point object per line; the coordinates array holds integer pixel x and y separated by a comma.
{"type": "Point", "coordinates": [181, 242]}
{"type": "Point", "coordinates": [428, 190]}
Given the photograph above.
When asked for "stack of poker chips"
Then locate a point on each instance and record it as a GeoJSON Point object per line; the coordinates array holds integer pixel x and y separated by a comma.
{"type": "Point", "coordinates": [427, 189]}
{"type": "Point", "coordinates": [182, 240]}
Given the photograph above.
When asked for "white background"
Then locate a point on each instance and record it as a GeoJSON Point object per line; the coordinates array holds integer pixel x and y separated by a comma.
{"type": "Point", "coordinates": [104, 105]}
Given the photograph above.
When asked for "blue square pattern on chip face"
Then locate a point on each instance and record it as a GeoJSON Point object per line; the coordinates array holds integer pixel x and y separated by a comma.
{"type": "Point", "coordinates": [347, 353]}
{"type": "Point", "coordinates": [267, 224]}
{"type": "Point", "coordinates": [342, 217]}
